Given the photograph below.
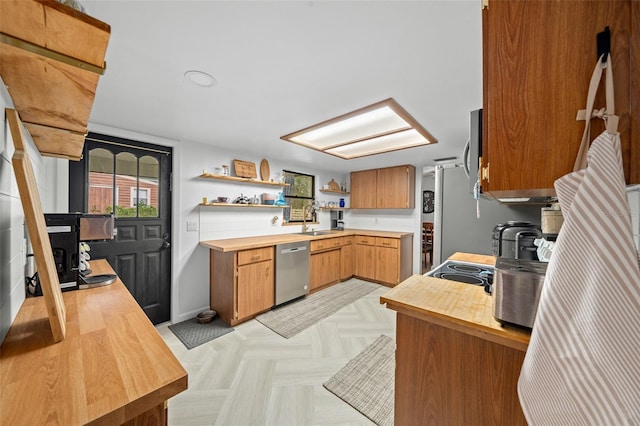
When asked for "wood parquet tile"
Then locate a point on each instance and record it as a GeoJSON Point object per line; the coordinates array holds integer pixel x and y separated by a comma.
{"type": "Point", "coordinates": [253, 376]}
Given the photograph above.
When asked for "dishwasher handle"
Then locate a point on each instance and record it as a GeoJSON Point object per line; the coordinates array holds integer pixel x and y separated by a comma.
{"type": "Point", "coordinates": [293, 249]}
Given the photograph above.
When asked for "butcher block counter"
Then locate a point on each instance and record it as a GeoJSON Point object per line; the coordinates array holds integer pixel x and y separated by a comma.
{"type": "Point", "coordinates": [112, 367]}
{"type": "Point", "coordinates": [235, 244]}
{"type": "Point", "coordinates": [455, 364]}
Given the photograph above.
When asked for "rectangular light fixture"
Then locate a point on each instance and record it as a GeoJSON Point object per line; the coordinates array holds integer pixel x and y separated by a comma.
{"type": "Point", "coordinates": [382, 127]}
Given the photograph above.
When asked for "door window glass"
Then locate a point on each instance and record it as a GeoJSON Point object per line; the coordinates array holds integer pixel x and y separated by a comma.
{"type": "Point", "coordinates": [123, 184]}
{"type": "Point", "coordinates": [148, 182]}
{"type": "Point", "coordinates": [100, 196]}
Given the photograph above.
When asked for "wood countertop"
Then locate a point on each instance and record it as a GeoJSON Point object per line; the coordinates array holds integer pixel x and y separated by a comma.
{"type": "Point", "coordinates": [111, 367]}
{"type": "Point", "coordinates": [458, 306]}
{"type": "Point", "coordinates": [235, 244]}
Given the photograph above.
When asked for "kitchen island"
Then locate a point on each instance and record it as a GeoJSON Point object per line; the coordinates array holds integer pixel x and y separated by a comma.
{"type": "Point", "coordinates": [455, 364]}
{"type": "Point", "coordinates": [111, 368]}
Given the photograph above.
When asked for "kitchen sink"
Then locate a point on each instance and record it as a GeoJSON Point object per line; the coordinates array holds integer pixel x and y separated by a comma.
{"type": "Point", "coordinates": [314, 233]}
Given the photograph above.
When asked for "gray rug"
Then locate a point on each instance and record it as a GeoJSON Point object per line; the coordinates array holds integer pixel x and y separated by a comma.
{"type": "Point", "coordinates": [291, 319]}
{"type": "Point", "coordinates": [367, 381]}
{"type": "Point", "coordinates": [191, 333]}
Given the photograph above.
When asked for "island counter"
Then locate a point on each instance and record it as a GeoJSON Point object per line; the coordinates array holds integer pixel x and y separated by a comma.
{"type": "Point", "coordinates": [455, 364]}
{"type": "Point", "coordinates": [112, 367]}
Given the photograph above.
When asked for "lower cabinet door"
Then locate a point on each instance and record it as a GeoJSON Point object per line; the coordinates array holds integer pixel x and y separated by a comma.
{"type": "Point", "coordinates": [346, 261]}
{"type": "Point", "coordinates": [324, 268]}
{"type": "Point", "coordinates": [387, 265]}
{"type": "Point", "coordinates": [256, 288]}
{"type": "Point", "coordinates": [365, 261]}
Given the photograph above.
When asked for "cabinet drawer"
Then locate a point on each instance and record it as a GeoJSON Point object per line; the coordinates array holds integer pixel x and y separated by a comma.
{"type": "Point", "coordinates": [347, 240]}
{"type": "Point", "coordinates": [324, 244]}
{"type": "Point", "coordinates": [367, 241]}
{"type": "Point", "coordinates": [388, 242]}
{"type": "Point", "coordinates": [254, 255]}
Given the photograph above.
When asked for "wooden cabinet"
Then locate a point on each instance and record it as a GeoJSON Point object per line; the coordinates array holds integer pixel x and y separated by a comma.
{"type": "Point", "coordinates": [347, 264]}
{"type": "Point", "coordinates": [324, 262]}
{"type": "Point", "coordinates": [538, 57]}
{"type": "Point", "coordinates": [387, 188]}
{"type": "Point", "coordinates": [242, 283]}
{"type": "Point", "coordinates": [51, 57]}
{"type": "Point", "coordinates": [385, 260]}
{"type": "Point", "coordinates": [365, 249]}
{"type": "Point", "coordinates": [363, 189]}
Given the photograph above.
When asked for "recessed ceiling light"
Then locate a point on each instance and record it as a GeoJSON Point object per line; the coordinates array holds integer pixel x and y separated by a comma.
{"type": "Point", "coordinates": [382, 127]}
{"type": "Point", "coordinates": [200, 78]}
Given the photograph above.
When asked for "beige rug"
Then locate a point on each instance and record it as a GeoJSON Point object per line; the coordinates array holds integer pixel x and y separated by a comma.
{"type": "Point", "coordinates": [367, 381]}
{"type": "Point", "coordinates": [291, 319]}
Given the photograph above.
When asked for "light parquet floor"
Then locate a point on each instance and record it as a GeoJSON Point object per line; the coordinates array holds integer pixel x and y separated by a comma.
{"type": "Point", "coordinates": [253, 376]}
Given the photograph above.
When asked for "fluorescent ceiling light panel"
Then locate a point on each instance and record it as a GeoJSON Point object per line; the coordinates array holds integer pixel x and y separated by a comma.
{"type": "Point", "coordinates": [382, 127]}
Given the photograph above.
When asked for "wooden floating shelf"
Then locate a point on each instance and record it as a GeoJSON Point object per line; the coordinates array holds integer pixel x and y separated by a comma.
{"type": "Point", "coordinates": [334, 192]}
{"type": "Point", "coordinates": [242, 180]}
{"type": "Point", "coordinates": [256, 206]}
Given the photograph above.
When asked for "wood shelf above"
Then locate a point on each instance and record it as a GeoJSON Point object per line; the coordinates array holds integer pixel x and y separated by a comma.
{"type": "Point", "coordinates": [51, 58]}
{"type": "Point", "coordinates": [242, 180]}
{"type": "Point", "coordinates": [255, 206]}
{"type": "Point", "coordinates": [330, 191]}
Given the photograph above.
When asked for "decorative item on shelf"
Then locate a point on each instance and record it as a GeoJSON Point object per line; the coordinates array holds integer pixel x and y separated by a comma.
{"type": "Point", "coordinates": [265, 170]}
{"type": "Point", "coordinates": [343, 187]}
{"type": "Point", "coordinates": [268, 199]}
{"type": "Point", "coordinates": [333, 185]}
{"type": "Point", "coordinates": [280, 201]}
{"type": "Point", "coordinates": [254, 200]}
{"type": "Point", "coordinates": [225, 170]}
{"type": "Point", "coordinates": [245, 169]}
{"type": "Point", "coordinates": [223, 199]}
{"type": "Point", "coordinates": [341, 202]}
{"type": "Point", "coordinates": [241, 200]}
{"type": "Point", "coordinates": [282, 178]}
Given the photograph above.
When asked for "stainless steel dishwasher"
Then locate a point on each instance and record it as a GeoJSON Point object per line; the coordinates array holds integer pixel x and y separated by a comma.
{"type": "Point", "coordinates": [292, 271]}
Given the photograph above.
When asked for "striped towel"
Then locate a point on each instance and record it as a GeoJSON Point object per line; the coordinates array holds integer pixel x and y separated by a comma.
{"type": "Point", "coordinates": [583, 362]}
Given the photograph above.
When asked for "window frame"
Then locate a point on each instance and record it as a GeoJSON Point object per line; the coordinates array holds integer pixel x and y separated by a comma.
{"type": "Point", "coordinates": [289, 177]}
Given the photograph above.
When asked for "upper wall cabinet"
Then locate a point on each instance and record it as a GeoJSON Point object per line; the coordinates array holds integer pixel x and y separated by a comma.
{"type": "Point", "coordinates": [51, 57]}
{"type": "Point", "coordinates": [538, 57]}
{"type": "Point", "coordinates": [387, 188]}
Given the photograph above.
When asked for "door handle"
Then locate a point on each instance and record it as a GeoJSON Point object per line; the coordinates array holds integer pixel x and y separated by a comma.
{"type": "Point", "coordinates": [166, 244]}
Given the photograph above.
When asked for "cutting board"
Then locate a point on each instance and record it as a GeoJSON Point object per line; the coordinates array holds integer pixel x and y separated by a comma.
{"type": "Point", "coordinates": [245, 169]}
{"type": "Point", "coordinates": [265, 170]}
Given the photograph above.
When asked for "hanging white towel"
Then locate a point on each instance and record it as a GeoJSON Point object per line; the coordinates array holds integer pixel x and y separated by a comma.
{"type": "Point", "coordinates": [582, 365]}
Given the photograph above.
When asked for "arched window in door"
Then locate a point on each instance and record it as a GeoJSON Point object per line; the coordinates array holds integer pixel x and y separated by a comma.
{"type": "Point", "coordinates": [123, 183]}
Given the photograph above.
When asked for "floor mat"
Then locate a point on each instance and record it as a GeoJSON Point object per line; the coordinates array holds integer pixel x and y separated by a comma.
{"type": "Point", "coordinates": [297, 316]}
{"type": "Point", "coordinates": [191, 333]}
{"type": "Point", "coordinates": [367, 381]}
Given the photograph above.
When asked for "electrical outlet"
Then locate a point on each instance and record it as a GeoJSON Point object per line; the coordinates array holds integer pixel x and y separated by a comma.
{"type": "Point", "coordinates": [192, 226]}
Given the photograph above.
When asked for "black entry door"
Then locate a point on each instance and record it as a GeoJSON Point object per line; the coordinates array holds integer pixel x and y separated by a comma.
{"type": "Point", "coordinates": [131, 180]}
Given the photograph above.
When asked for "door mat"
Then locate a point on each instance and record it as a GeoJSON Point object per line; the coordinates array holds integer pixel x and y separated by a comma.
{"type": "Point", "coordinates": [295, 317]}
{"type": "Point", "coordinates": [367, 382]}
{"type": "Point", "coordinates": [191, 333]}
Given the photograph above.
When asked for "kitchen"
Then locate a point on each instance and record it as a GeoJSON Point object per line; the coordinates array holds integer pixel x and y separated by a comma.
{"type": "Point", "coordinates": [190, 262]}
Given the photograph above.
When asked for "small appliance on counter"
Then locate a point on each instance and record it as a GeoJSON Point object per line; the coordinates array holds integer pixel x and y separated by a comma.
{"type": "Point", "coordinates": [337, 220]}
{"type": "Point", "coordinates": [515, 240]}
{"type": "Point", "coordinates": [67, 232]}
{"type": "Point", "coordinates": [517, 286]}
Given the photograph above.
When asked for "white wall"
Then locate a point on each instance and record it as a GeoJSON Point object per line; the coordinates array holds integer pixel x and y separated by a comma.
{"type": "Point", "coordinates": [12, 229]}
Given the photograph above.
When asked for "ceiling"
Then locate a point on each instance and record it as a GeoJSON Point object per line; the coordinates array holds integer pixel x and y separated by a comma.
{"type": "Point", "coordinates": [281, 66]}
